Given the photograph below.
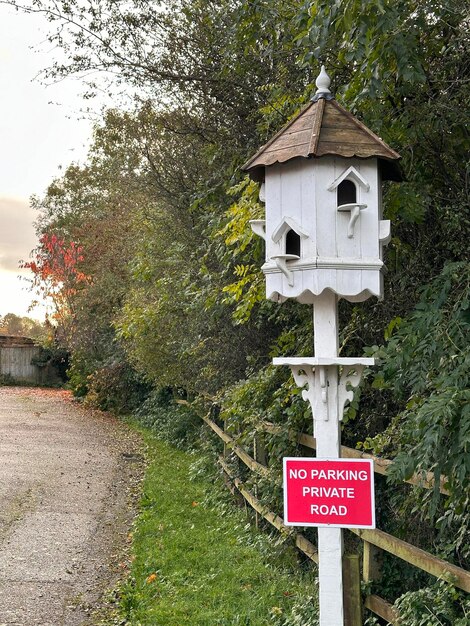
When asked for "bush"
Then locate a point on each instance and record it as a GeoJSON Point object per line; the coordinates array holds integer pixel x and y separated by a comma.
{"type": "Point", "coordinates": [7, 380]}
{"type": "Point", "coordinates": [116, 387]}
{"type": "Point", "coordinates": [54, 357]}
{"type": "Point", "coordinates": [174, 423]}
{"type": "Point", "coordinates": [438, 605]}
{"type": "Point", "coordinates": [78, 375]}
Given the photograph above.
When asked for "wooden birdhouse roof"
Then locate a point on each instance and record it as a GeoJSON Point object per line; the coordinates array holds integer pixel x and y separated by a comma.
{"type": "Point", "coordinates": [323, 128]}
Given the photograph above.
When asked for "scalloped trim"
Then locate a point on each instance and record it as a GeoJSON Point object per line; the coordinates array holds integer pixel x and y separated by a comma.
{"type": "Point", "coordinates": [307, 296]}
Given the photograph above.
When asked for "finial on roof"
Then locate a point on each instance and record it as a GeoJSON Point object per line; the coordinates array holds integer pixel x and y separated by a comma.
{"type": "Point", "coordinates": [323, 83]}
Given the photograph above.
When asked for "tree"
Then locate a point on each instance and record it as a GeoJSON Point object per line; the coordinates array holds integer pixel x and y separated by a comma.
{"type": "Point", "coordinates": [15, 325]}
{"type": "Point", "coordinates": [208, 59]}
{"type": "Point", "coordinates": [56, 273]}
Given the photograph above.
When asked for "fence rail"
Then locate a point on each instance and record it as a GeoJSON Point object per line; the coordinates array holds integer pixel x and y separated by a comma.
{"type": "Point", "coordinates": [381, 466]}
{"type": "Point", "coordinates": [374, 540]}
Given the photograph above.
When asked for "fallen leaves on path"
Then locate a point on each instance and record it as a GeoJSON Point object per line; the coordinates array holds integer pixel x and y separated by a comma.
{"type": "Point", "coordinates": [37, 392]}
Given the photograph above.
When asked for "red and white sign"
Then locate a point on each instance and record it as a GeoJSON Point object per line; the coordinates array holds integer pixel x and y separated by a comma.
{"type": "Point", "coordinates": [336, 492]}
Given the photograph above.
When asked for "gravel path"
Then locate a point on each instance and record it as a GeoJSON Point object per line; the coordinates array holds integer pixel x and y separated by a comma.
{"type": "Point", "coordinates": [68, 480]}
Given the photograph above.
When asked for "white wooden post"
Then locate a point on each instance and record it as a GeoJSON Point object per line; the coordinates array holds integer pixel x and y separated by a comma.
{"type": "Point", "coordinates": [328, 437]}
{"type": "Point", "coordinates": [327, 392]}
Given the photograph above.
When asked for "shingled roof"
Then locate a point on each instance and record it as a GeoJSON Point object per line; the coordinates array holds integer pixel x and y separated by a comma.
{"type": "Point", "coordinates": [324, 127]}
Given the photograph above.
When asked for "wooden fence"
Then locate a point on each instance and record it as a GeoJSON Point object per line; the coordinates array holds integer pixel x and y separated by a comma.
{"type": "Point", "coordinates": [374, 541]}
{"type": "Point", "coordinates": [16, 354]}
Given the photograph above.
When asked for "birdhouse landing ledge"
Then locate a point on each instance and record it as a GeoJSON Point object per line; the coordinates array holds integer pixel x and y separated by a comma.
{"type": "Point", "coordinates": [321, 180]}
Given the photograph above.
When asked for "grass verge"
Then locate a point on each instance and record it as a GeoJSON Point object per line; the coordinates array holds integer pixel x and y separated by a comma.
{"type": "Point", "coordinates": [198, 563]}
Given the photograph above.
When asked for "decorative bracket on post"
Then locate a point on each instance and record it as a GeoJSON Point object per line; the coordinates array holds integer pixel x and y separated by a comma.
{"type": "Point", "coordinates": [314, 374]}
{"type": "Point", "coordinates": [303, 376]}
{"type": "Point", "coordinates": [350, 377]}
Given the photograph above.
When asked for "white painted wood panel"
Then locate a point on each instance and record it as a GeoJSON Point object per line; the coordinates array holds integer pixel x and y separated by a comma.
{"type": "Point", "coordinates": [273, 207]}
{"type": "Point", "coordinates": [368, 223]}
{"type": "Point", "coordinates": [325, 202]}
{"type": "Point", "coordinates": [291, 185]}
{"type": "Point", "coordinates": [308, 182]}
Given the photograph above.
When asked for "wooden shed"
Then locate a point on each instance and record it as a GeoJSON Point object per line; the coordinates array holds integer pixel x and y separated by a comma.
{"type": "Point", "coordinates": [16, 354]}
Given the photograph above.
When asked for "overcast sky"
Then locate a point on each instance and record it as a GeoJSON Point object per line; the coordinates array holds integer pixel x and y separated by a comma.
{"type": "Point", "coordinates": [41, 128]}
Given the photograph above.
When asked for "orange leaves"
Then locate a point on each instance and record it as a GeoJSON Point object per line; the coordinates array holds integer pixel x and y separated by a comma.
{"type": "Point", "coordinates": [57, 260]}
{"type": "Point", "coordinates": [150, 579]}
{"type": "Point", "coordinates": [56, 268]}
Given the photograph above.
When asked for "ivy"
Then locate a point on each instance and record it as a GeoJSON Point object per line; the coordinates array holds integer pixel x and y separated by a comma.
{"type": "Point", "coordinates": [426, 362]}
{"type": "Point", "coordinates": [440, 604]}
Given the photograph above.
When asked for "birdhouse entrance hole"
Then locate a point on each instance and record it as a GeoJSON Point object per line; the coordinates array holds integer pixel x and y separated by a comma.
{"type": "Point", "coordinates": [347, 192]}
{"type": "Point", "coordinates": [292, 243]}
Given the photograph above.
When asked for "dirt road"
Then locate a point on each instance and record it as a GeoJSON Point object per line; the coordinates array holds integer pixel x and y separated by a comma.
{"type": "Point", "coordinates": [67, 483]}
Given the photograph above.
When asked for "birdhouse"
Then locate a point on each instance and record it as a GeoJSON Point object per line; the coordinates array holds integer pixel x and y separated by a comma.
{"type": "Point", "coordinates": [322, 178]}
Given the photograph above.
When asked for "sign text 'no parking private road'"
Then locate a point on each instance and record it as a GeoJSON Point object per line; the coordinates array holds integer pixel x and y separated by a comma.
{"type": "Point", "coordinates": [336, 492]}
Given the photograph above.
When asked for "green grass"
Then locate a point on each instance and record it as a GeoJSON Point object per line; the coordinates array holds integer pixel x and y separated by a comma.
{"type": "Point", "coordinates": [203, 565]}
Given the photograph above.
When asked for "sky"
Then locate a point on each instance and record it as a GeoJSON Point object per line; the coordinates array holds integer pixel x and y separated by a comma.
{"type": "Point", "coordinates": [41, 130]}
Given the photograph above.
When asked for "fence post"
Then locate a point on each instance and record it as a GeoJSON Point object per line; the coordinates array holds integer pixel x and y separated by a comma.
{"type": "Point", "coordinates": [259, 455]}
{"type": "Point", "coordinates": [372, 566]}
{"type": "Point", "coordinates": [260, 450]}
{"type": "Point", "coordinates": [352, 591]}
{"type": "Point", "coordinates": [224, 428]}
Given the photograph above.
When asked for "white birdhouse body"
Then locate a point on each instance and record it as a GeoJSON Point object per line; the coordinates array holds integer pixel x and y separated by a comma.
{"type": "Point", "coordinates": [310, 244]}
{"type": "Point", "coordinates": [322, 190]}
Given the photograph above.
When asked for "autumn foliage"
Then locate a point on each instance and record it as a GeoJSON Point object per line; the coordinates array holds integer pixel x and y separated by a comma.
{"type": "Point", "coordinates": [56, 271]}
